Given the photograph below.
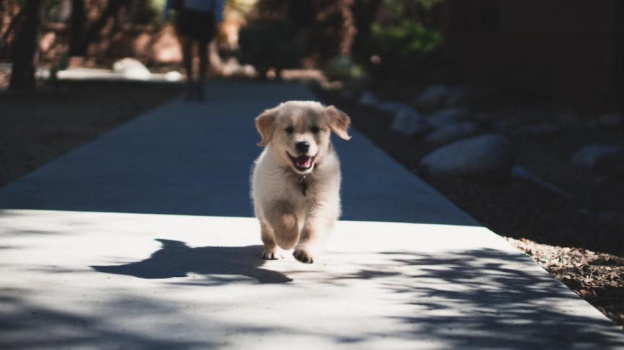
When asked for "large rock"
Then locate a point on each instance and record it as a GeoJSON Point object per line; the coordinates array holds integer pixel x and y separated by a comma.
{"type": "Point", "coordinates": [407, 121]}
{"type": "Point", "coordinates": [593, 156]}
{"type": "Point", "coordinates": [611, 120]}
{"type": "Point", "coordinates": [368, 99]}
{"type": "Point", "coordinates": [440, 95]}
{"type": "Point", "coordinates": [434, 95]}
{"type": "Point", "coordinates": [131, 69]}
{"type": "Point", "coordinates": [453, 132]}
{"type": "Point", "coordinates": [391, 106]}
{"type": "Point", "coordinates": [447, 116]}
{"type": "Point", "coordinates": [485, 157]}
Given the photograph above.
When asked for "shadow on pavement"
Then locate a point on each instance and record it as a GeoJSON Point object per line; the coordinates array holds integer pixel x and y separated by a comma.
{"type": "Point", "coordinates": [176, 259]}
{"type": "Point", "coordinates": [482, 299]}
{"type": "Point", "coordinates": [29, 325]}
{"type": "Point", "coordinates": [473, 299]}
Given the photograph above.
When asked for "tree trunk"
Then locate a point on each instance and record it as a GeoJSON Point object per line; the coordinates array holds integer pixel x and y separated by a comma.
{"type": "Point", "coordinates": [76, 28]}
{"type": "Point", "coordinates": [25, 51]}
{"type": "Point", "coordinates": [364, 13]}
{"type": "Point", "coordinates": [82, 37]}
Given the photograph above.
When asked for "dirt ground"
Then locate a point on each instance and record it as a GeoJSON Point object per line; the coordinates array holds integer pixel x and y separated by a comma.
{"type": "Point", "coordinates": [564, 234]}
{"type": "Point", "coordinates": [567, 234]}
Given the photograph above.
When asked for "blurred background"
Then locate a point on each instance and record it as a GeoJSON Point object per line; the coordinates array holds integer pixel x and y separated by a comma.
{"type": "Point", "coordinates": [511, 109]}
{"type": "Point", "coordinates": [566, 52]}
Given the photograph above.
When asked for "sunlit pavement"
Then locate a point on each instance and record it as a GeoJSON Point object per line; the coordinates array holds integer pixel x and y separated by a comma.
{"type": "Point", "coordinates": [144, 239]}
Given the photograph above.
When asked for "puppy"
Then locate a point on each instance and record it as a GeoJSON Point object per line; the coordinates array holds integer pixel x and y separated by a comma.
{"type": "Point", "coordinates": [296, 179]}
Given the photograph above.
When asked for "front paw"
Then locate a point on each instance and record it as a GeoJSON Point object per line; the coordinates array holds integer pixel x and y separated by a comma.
{"type": "Point", "coordinates": [272, 255]}
{"type": "Point", "coordinates": [303, 256]}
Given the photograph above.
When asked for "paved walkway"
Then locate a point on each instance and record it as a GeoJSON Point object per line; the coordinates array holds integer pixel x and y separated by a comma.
{"type": "Point", "coordinates": [144, 239]}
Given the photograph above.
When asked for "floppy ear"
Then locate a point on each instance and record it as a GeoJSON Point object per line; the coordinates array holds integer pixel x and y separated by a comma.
{"type": "Point", "coordinates": [265, 124]}
{"type": "Point", "coordinates": [338, 122]}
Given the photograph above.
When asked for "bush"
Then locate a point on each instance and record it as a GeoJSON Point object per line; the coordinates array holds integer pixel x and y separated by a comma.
{"type": "Point", "coordinates": [272, 43]}
{"type": "Point", "coordinates": [405, 49]}
{"type": "Point", "coordinates": [343, 68]}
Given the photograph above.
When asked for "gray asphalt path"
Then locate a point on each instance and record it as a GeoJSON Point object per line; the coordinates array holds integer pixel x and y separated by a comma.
{"type": "Point", "coordinates": [195, 159]}
{"type": "Point", "coordinates": [143, 239]}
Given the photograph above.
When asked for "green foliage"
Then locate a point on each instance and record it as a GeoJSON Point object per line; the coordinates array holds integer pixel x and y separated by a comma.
{"type": "Point", "coordinates": [158, 7]}
{"type": "Point", "coordinates": [405, 40]}
{"type": "Point", "coordinates": [405, 46]}
{"type": "Point", "coordinates": [343, 68]}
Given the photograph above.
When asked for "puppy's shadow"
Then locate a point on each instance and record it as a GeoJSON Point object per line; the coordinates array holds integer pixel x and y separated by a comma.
{"type": "Point", "coordinates": [176, 259]}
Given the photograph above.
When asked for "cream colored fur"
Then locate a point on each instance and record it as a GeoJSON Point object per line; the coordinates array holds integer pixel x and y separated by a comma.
{"type": "Point", "coordinates": [288, 218]}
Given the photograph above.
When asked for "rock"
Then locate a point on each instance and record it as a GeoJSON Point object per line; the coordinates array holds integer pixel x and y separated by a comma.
{"type": "Point", "coordinates": [407, 121]}
{"type": "Point", "coordinates": [434, 95]}
{"type": "Point", "coordinates": [611, 120]}
{"type": "Point", "coordinates": [447, 116]}
{"type": "Point", "coordinates": [485, 157]}
{"type": "Point", "coordinates": [593, 156]}
{"type": "Point", "coordinates": [457, 96]}
{"type": "Point", "coordinates": [131, 69]}
{"type": "Point", "coordinates": [368, 99]}
{"type": "Point", "coordinates": [453, 132]}
{"type": "Point", "coordinates": [391, 106]}
{"type": "Point", "coordinates": [439, 95]}
{"type": "Point", "coordinates": [521, 173]}
{"type": "Point", "coordinates": [173, 76]}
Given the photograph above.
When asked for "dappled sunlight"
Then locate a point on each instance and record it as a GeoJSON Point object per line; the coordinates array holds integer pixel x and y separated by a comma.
{"type": "Point", "coordinates": [380, 284]}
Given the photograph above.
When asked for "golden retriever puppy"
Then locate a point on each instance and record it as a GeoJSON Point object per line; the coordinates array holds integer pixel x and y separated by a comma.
{"type": "Point", "coordinates": [296, 179]}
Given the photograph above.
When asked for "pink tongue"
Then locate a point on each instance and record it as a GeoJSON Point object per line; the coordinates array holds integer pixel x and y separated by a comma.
{"type": "Point", "coordinates": [304, 162]}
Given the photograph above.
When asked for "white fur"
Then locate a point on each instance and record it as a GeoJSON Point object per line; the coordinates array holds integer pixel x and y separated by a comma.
{"type": "Point", "coordinates": [288, 218]}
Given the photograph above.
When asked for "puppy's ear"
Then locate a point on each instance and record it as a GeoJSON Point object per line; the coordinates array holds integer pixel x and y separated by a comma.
{"type": "Point", "coordinates": [338, 122]}
{"type": "Point", "coordinates": [265, 124]}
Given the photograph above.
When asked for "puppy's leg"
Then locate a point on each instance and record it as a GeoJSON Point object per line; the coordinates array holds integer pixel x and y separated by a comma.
{"type": "Point", "coordinates": [314, 232]}
{"type": "Point", "coordinates": [283, 219]}
{"type": "Point", "coordinates": [271, 250]}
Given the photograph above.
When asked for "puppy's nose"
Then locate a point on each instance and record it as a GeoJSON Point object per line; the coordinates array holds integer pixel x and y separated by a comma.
{"type": "Point", "coordinates": [302, 147]}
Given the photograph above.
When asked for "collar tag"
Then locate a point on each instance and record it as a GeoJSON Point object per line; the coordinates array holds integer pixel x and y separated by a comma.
{"type": "Point", "coordinates": [303, 185]}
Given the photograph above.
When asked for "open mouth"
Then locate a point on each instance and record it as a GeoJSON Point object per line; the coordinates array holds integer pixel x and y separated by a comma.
{"type": "Point", "coordinates": [302, 163]}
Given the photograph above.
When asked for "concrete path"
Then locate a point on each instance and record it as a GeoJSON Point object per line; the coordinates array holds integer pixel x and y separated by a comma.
{"type": "Point", "coordinates": [144, 239]}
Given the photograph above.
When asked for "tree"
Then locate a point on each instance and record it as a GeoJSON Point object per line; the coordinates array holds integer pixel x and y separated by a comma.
{"type": "Point", "coordinates": [25, 51]}
{"type": "Point", "coordinates": [364, 12]}
{"type": "Point", "coordinates": [81, 35]}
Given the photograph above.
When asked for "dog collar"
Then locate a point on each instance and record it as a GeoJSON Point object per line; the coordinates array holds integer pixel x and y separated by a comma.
{"type": "Point", "coordinates": [303, 185]}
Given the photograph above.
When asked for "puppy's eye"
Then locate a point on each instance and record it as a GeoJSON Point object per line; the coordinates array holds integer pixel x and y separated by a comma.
{"type": "Point", "coordinates": [290, 130]}
{"type": "Point", "coordinates": [315, 129]}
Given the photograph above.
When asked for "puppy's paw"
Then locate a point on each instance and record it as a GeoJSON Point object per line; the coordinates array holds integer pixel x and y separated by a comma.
{"type": "Point", "coordinates": [303, 256]}
{"type": "Point", "coordinates": [272, 255]}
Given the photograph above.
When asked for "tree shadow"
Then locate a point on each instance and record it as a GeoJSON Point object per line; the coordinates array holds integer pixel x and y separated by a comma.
{"type": "Point", "coordinates": [25, 324]}
{"type": "Point", "coordinates": [489, 299]}
{"type": "Point", "coordinates": [176, 259]}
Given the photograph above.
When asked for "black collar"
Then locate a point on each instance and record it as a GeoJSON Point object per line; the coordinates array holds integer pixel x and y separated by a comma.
{"type": "Point", "coordinates": [303, 184]}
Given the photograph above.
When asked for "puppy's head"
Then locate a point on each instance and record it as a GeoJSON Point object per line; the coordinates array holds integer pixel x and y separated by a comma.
{"type": "Point", "coordinates": [298, 133]}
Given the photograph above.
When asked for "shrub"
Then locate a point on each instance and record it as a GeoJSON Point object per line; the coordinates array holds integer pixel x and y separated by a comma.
{"type": "Point", "coordinates": [406, 49]}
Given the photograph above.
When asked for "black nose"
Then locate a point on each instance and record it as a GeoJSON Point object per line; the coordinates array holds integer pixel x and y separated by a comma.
{"type": "Point", "coordinates": [302, 147]}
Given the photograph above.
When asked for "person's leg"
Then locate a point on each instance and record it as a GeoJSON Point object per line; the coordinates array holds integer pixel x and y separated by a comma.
{"type": "Point", "coordinates": [187, 56]}
{"type": "Point", "coordinates": [204, 63]}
